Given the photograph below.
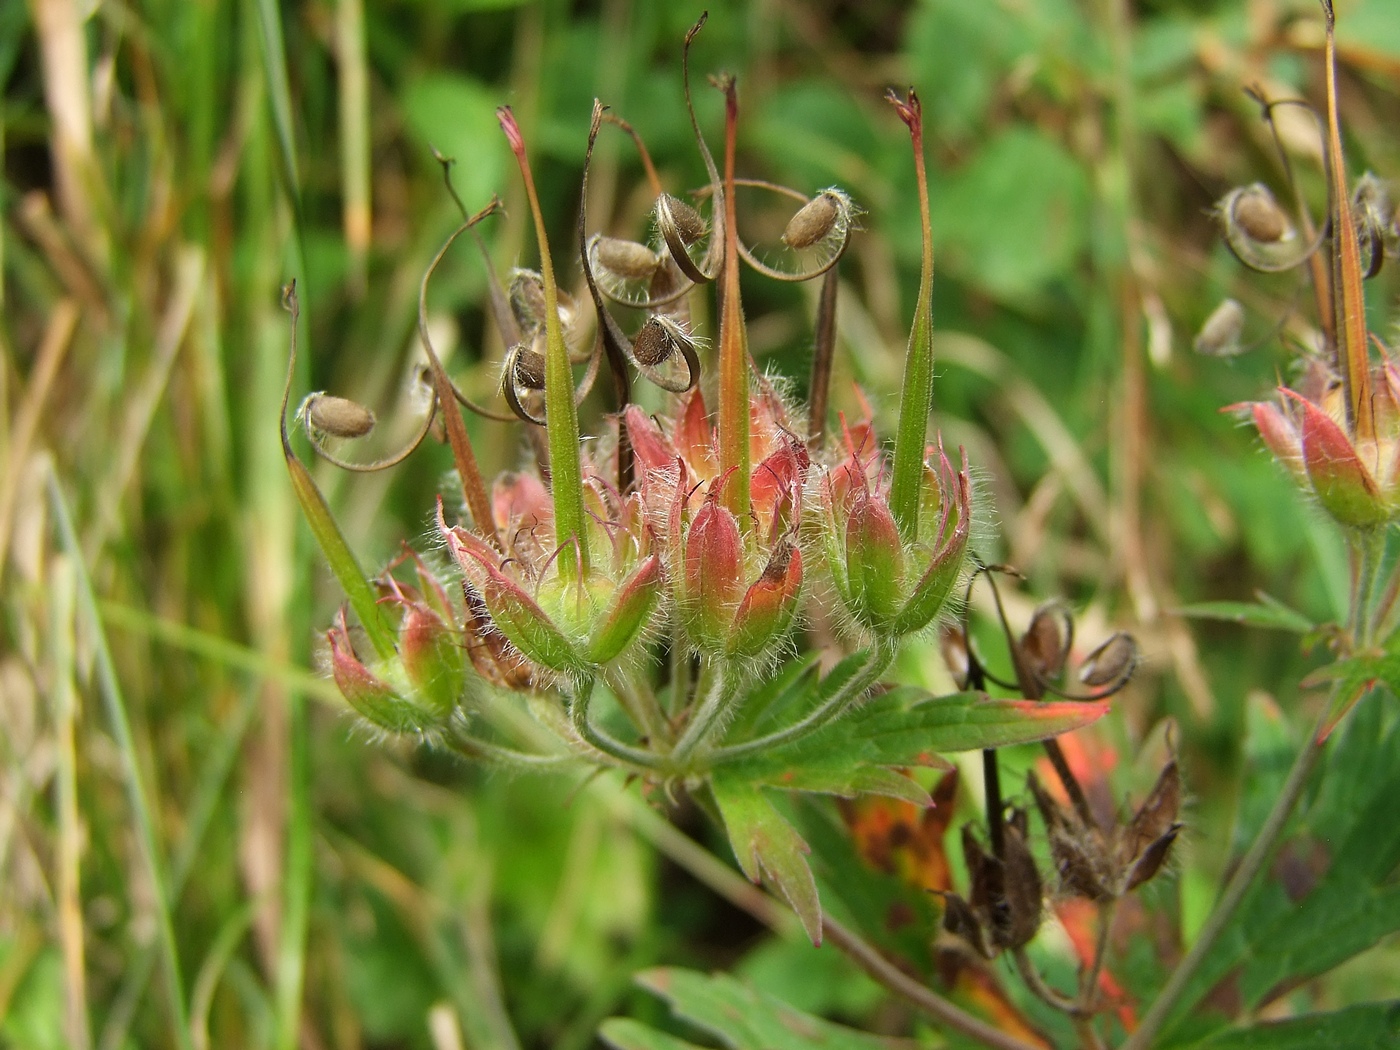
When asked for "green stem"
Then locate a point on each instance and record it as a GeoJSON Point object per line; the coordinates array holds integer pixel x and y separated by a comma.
{"type": "Point", "coordinates": [625, 754]}
{"type": "Point", "coordinates": [1240, 882]}
{"type": "Point", "coordinates": [639, 702]}
{"type": "Point", "coordinates": [881, 656]}
{"type": "Point", "coordinates": [711, 715]}
{"type": "Point", "coordinates": [1370, 551]}
{"type": "Point", "coordinates": [916, 393]}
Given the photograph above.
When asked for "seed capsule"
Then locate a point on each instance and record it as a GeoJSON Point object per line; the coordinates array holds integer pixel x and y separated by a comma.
{"type": "Point", "coordinates": [659, 339]}
{"type": "Point", "coordinates": [338, 416]}
{"type": "Point", "coordinates": [686, 219]}
{"type": "Point", "coordinates": [1046, 643]}
{"type": "Point", "coordinates": [813, 220]}
{"type": "Point", "coordinates": [529, 369]}
{"type": "Point", "coordinates": [1111, 662]}
{"type": "Point", "coordinates": [1256, 212]}
{"type": "Point", "coordinates": [626, 259]}
{"type": "Point", "coordinates": [526, 294]}
{"type": "Point", "coordinates": [1220, 335]}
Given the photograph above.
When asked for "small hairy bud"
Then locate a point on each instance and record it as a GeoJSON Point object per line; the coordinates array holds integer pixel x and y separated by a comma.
{"type": "Point", "coordinates": [627, 259]}
{"type": "Point", "coordinates": [813, 220]}
{"type": "Point", "coordinates": [338, 416]}
{"type": "Point", "coordinates": [687, 220]}
{"type": "Point", "coordinates": [1111, 662]}
{"type": "Point", "coordinates": [1256, 212]}
{"type": "Point", "coordinates": [1220, 335]}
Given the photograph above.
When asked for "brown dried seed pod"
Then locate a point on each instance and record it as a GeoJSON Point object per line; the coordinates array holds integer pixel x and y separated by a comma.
{"type": "Point", "coordinates": [526, 294]}
{"type": "Point", "coordinates": [687, 220]}
{"type": "Point", "coordinates": [813, 220]}
{"type": "Point", "coordinates": [629, 259]}
{"type": "Point", "coordinates": [338, 416]}
{"type": "Point", "coordinates": [529, 369]}
{"type": "Point", "coordinates": [1220, 335]}
{"type": "Point", "coordinates": [1256, 212]}
{"type": "Point", "coordinates": [1045, 644]}
{"type": "Point", "coordinates": [1111, 662]}
{"type": "Point", "coordinates": [659, 339]}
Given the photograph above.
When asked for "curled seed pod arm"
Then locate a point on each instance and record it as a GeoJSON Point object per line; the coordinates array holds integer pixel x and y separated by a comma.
{"type": "Point", "coordinates": [666, 220]}
{"type": "Point", "coordinates": [653, 179]}
{"type": "Point", "coordinates": [830, 246]}
{"type": "Point", "coordinates": [511, 391]}
{"type": "Point", "coordinates": [501, 314]}
{"type": "Point", "coordinates": [384, 463]}
{"type": "Point", "coordinates": [473, 488]}
{"type": "Point", "coordinates": [1263, 257]}
{"type": "Point", "coordinates": [329, 538]}
{"type": "Point", "coordinates": [618, 347]}
{"type": "Point", "coordinates": [615, 343]}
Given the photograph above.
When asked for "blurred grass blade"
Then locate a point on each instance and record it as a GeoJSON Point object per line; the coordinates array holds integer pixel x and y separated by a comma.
{"type": "Point", "coordinates": [280, 94]}
{"type": "Point", "coordinates": [126, 747]}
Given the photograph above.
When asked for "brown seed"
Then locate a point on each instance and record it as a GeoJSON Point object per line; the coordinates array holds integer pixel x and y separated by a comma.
{"type": "Point", "coordinates": [658, 340]}
{"type": "Point", "coordinates": [529, 369]}
{"type": "Point", "coordinates": [1220, 335]}
{"type": "Point", "coordinates": [635, 262]}
{"type": "Point", "coordinates": [1045, 644]}
{"type": "Point", "coordinates": [686, 219]}
{"type": "Point", "coordinates": [813, 221]}
{"type": "Point", "coordinates": [1258, 214]}
{"type": "Point", "coordinates": [526, 294]}
{"type": "Point", "coordinates": [1111, 662]}
{"type": "Point", "coordinates": [338, 416]}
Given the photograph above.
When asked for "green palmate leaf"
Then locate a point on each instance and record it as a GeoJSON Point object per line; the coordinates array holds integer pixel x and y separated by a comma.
{"type": "Point", "coordinates": [858, 754]}
{"type": "Point", "coordinates": [1268, 613]}
{"type": "Point", "coordinates": [765, 843]}
{"type": "Point", "coordinates": [1352, 678]}
{"type": "Point", "coordinates": [1374, 1026]}
{"type": "Point", "coordinates": [736, 1015]}
{"type": "Point", "coordinates": [1332, 891]}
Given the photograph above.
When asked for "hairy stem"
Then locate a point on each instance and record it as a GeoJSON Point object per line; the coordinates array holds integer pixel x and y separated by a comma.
{"type": "Point", "coordinates": [711, 715]}
{"type": "Point", "coordinates": [881, 656]}
{"type": "Point", "coordinates": [624, 754]}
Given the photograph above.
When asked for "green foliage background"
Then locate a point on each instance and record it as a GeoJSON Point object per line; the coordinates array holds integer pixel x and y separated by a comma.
{"type": "Point", "coordinates": [324, 890]}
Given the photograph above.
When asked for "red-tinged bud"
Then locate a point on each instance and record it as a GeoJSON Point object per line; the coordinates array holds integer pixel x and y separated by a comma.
{"type": "Point", "coordinates": [874, 562]}
{"type": "Point", "coordinates": [433, 659]}
{"type": "Point", "coordinates": [776, 491]}
{"type": "Point", "coordinates": [714, 564]}
{"type": "Point", "coordinates": [653, 451]}
{"type": "Point", "coordinates": [1344, 486]}
{"type": "Point", "coordinates": [365, 691]}
{"type": "Point", "coordinates": [1281, 437]}
{"type": "Point", "coordinates": [945, 560]}
{"type": "Point", "coordinates": [526, 625]}
{"type": "Point", "coordinates": [520, 501]}
{"type": "Point", "coordinates": [694, 438]}
{"type": "Point", "coordinates": [769, 605]}
{"type": "Point", "coordinates": [632, 606]}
